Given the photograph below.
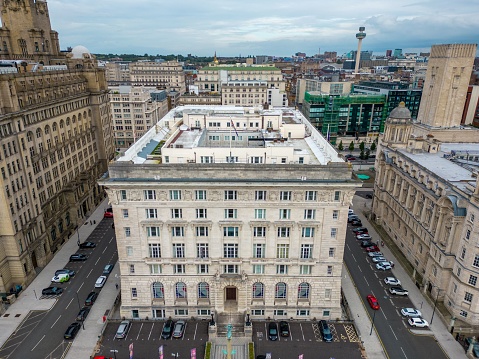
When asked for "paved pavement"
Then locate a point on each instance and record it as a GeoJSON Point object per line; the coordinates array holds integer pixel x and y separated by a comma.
{"type": "Point", "coordinates": [29, 298]}
{"type": "Point", "coordinates": [450, 346]}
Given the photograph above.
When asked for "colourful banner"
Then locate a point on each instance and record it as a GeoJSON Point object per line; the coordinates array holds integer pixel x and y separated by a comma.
{"type": "Point", "coordinates": [193, 353]}
{"type": "Point", "coordinates": [131, 350]}
{"type": "Point", "coordinates": [300, 356]}
{"type": "Point", "coordinates": [160, 351]}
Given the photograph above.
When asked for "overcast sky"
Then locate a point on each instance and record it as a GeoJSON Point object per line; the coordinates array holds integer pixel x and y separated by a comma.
{"type": "Point", "coordinates": [261, 27]}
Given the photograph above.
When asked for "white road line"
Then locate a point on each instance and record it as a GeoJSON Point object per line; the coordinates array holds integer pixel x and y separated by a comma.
{"type": "Point", "coordinates": [394, 333]}
{"type": "Point", "coordinates": [69, 304]}
{"type": "Point", "coordinates": [302, 333]}
{"type": "Point", "coordinates": [149, 335]}
{"type": "Point", "coordinates": [290, 332]}
{"type": "Point", "coordinates": [139, 331]}
{"type": "Point", "coordinates": [163, 327]}
{"type": "Point", "coordinates": [105, 249]}
{"type": "Point", "coordinates": [184, 331]}
{"type": "Point", "coordinates": [110, 240]}
{"type": "Point", "coordinates": [196, 328]}
{"type": "Point", "coordinates": [265, 331]}
{"type": "Point", "coordinates": [403, 352]}
{"type": "Point", "coordinates": [97, 261]}
{"type": "Point", "coordinates": [360, 269]}
{"type": "Point", "coordinates": [80, 287]}
{"type": "Point", "coordinates": [366, 281]}
{"type": "Point", "coordinates": [37, 344]}
{"type": "Point", "coordinates": [56, 322]}
{"type": "Point", "coordinates": [354, 257]}
{"type": "Point", "coordinates": [382, 311]}
{"type": "Point", "coordinates": [91, 270]}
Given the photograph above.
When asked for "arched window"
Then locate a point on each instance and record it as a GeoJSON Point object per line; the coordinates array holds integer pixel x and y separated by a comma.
{"type": "Point", "coordinates": [180, 290]}
{"type": "Point", "coordinates": [158, 290]}
{"type": "Point", "coordinates": [258, 290]}
{"type": "Point", "coordinates": [29, 136]}
{"type": "Point", "coordinates": [280, 290]}
{"type": "Point", "coordinates": [303, 291]}
{"type": "Point", "coordinates": [54, 126]}
{"type": "Point", "coordinates": [68, 121]}
{"type": "Point", "coordinates": [203, 290]}
{"type": "Point", "coordinates": [47, 130]}
{"type": "Point", "coordinates": [62, 124]}
{"type": "Point", "coordinates": [39, 133]}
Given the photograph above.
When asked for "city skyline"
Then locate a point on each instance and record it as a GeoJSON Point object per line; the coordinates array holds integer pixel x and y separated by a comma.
{"type": "Point", "coordinates": [245, 28]}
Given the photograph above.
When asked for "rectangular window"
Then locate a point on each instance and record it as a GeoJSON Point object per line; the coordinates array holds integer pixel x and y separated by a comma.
{"type": "Point", "coordinates": [151, 213]}
{"type": "Point", "coordinates": [154, 250]}
{"type": "Point", "coordinates": [181, 312]}
{"type": "Point", "coordinates": [258, 250]}
{"type": "Point", "coordinates": [176, 213]}
{"type": "Point", "coordinates": [230, 269]}
{"type": "Point", "coordinates": [463, 252]}
{"type": "Point", "coordinates": [231, 213]}
{"type": "Point", "coordinates": [307, 232]}
{"type": "Point", "coordinates": [337, 196]}
{"type": "Point", "coordinates": [231, 195]}
{"type": "Point", "coordinates": [283, 232]}
{"type": "Point", "coordinates": [468, 234]}
{"type": "Point", "coordinates": [306, 251]}
{"type": "Point", "coordinates": [206, 159]}
{"type": "Point", "coordinates": [230, 231]}
{"type": "Point", "coordinates": [203, 312]}
{"type": "Point", "coordinates": [132, 269]}
{"type": "Point", "coordinates": [153, 231]}
{"type": "Point", "coordinates": [179, 268]}
{"type": "Point", "coordinates": [175, 195]}
{"type": "Point", "coordinates": [335, 214]}
{"type": "Point", "coordinates": [468, 297]}
{"type": "Point", "coordinates": [285, 195]}
{"type": "Point", "coordinates": [149, 194]}
{"type": "Point", "coordinates": [330, 270]}
{"type": "Point", "coordinates": [125, 213]}
{"type": "Point", "coordinates": [281, 269]}
{"type": "Point", "coordinates": [302, 312]}
{"type": "Point", "coordinates": [326, 313]}
{"type": "Point", "coordinates": [282, 251]}
{"type": "Point", "coordinates": [202, 231]}
{"type": "Point", "coordinates": [472, 280]}
{"type": "Point", "coordinates": [155, 268]}
{"type": "Point", "coordinates": [177, 231]}
{"type": "Point", "coordinates": [327, 293]}
{"type": "Point", "coordinates": [334, 232]}
{"type": "Point", "coordinates": [260, 213]}
{"type": "Point", "coordinates": [230, 250]}
{"type": "Point", "coordinates": [202, 268]}
{"type": "Point", "coordinates": [475, 263]}
{"type": "Point", "coordinates": [463, 313]}
{"type": "Point", "coordinates": [201, 213]}
{"type": "Point", "coordinates": [202, 250]}
{"type": "Point", "coordinates": [310, 196]}
{"type": "Point", "coordinates": [257, 312]}
{"type": "Point", "coordinates": [129, 251]}
{"type": "Point", "coordinates": [259, 231]}
{"type": "Point", "coordinates": [280, 312]}
{"type": "Point", "coordinates": [123, 195]}
{"type": "Point", "coordinates": [331, 252]}
{"type": "Point", "coordinates": [200, 195]}
{"type": "Point", "coordinates": [309, 213]}
{"type": "Point", "coordinates": [260, 195]}
{"type": "Point", "coordinates": [284, 214]}
{"type": "Point", "coordinates": [305, 269]}
{"type": "Point", "coordinates": [258, 269]}
{"type": "Point", "coordinates": [127, 232]}
{"type": "Point", "coordinates": [134, 293]}
{"type": "Point", "coordinates": [179, 250]}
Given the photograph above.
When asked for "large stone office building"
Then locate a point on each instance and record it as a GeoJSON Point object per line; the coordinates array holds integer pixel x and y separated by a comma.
{"type": "Point", "coordinates": [231, 209]}
{"type": "Point", "coordinates": [55, 140]}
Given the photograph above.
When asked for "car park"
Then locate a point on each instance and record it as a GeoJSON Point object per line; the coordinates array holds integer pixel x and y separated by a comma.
{"type": "Point", "coordinates": [70, 272]}
{"type": "Point", "coordinates": [52, 291]}
{"type": "Point", "coordinates": [360, 230]}
{"type": "Point", "coordinates": [411, 312]}
{"type": "Point", "coordinates": [373, 302]}
{"type": "Point", "coordinates": [61, 278]}
{"type": "Point", "coordinates": [82, 314]}
{"type": "Point", "coordinates": [378, 259]}
{"type": "Point", "coordinates": [418, 323]}
{"type": "Point", "coordinates": [91, 298]}
{"type": "Point", "coordinates": [392, 281]}
{"type": "Point", "coordinates": [72, 331]}
{"type": "Point", "coordinates": [363, 237]}
{"type": "Point", "coordinates": [108, 268]}
{"type": "Point", "coordinates": [272, 331]}
{"type": "Point", "coordinates": [78, 257]}
{"type": "Point", "coordinates": [375, 254]}
{"type": "Point", "coordinates": [398, 291]}
{"type": "Point", "coordinates": [167, 329]}
{"type": "Point", "coordinates": [100, 282]}
{"type": "Point", "coordinates": [284, 328]}
{"type": "Point", "coordinates": [85, 245]}
{"type": "Point", "coordinates": [374, 248]}
{"type": "Point", "coordinates": [122, 329]}
{"type": "Point", "coordinates": [325, 331]}
{"type": "Point", "coordinates": [383, 266]}
{"type": "Point", "coordinates": [179, 329]}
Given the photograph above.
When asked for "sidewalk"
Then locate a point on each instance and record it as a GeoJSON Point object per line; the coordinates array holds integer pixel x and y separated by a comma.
{"type": "Point", "coordinates": [437, 328]}
{"type": "Point", "coordinates": [29, 298]}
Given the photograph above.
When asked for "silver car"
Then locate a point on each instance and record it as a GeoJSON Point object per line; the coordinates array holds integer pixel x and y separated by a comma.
{"type": "Point", "coordinates": [122, 329]}
{"type": "Point", "coordinates": [179, 329]}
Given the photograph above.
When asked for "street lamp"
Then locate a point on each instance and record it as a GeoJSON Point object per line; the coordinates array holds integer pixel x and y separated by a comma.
{"type": "Point", "coordinates": [114, 351]}
{"type": "Point", "coordinates": [372, 324]}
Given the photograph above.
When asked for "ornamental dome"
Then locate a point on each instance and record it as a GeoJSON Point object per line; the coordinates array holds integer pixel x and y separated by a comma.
{"type": "Point", "coordinates": [80, 52]}
{"type": "Point", "coordinates": [401, 112]}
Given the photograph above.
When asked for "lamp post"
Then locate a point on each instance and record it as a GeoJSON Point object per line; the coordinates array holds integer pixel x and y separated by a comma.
{"type": "Point", "coordinates": [114, 351]}
{"type": "Point", "coordinates": [372, 324]}
{"type": "Point", "coordinates": [79, 308]}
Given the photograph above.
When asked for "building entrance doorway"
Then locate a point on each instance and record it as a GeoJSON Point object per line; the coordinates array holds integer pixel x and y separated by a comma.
{"type": "Point", "coordinates": [231, 293]}
{"type": "Point", "coordinates": [231, 299]}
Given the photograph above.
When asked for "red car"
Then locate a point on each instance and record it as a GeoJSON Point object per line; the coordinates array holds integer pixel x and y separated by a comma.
{"type": "Point", "coordinates": [374, 248]}
{"type": "Point", "coordinates": [373, 302]}
{"type": "Point", "coordinates": [108, 213]}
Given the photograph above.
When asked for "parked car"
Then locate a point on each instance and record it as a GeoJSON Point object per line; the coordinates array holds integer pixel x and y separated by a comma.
{"type": "Point", "coordinates": [411, 312]}
{"type": "Point", "coordinates": [378, 259]}
{"type": "Point", "coordinates": [383, 265]}
{"type": "Point", "coordinates": [78, 257]}
{"type": "Point", "coordinates": [356, 222]}
{"type": "Point", "coordinates": [372, 249]}
{"type": "Point", "coordinates": [61, 278]}
{"type": "Point", "coordinates": [284, 328]}
{"type": "Point", "coordinates": [397, 290]}
{"type": "Point", "coordinates": [375, 254]}
{"type": "Point", "coordinates": [167, 329]}
{"type": "Point", "coordinates": [108, 268]}
{"type": "Point", "coordinates": [179, 329]}
{"type": "Point", "coordinates": [82, 314]}
{"type": "Point", "coordinates": [52, 291]}
{"type": "Point", "coordinates": [373, 302]}
{"type": "Point", "coordinates": [360, 230]}
{"type": "Point", "coordinates": [272, 331]}
{"type": "Point", "coordinates": [87, 245]}
{"type": "Point", "coordinates": [367, 243]}
{"type": "Point", "coordinates": [91, 298]}
{"type": "Point", "coordinates": [100, 282]}
{"type": "Point", "coordinates": [350, 211]}
{"type": "Point", "coordinates": [392, 281]}
{"type": "Point", "coordinates": [369, 196]}
{"type": "Point", "coordinates": [352, 158]}
{"type": "Point", "coordinates": [108, 213]}
{"type": "Point", "coordinates": [72, 331]}
{"type": "Point", "coordinates": [325, 331]}
{"type": "Point", "coordinates": [363, 237]}
{"type": "Point", "coordinates": [418, 323]}
{"type": "Point", "coordinates": [70, 272]}
{"type": "Point", "coordinates": [122, 329]}
{"type": "Point", "coordinates": [353, 218]}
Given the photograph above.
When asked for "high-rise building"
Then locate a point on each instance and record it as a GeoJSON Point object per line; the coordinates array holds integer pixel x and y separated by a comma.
{"type": "Point", "coordinates": [117, 73]}
{"type": "Point", "coordinates": [56, 140]}
{"type": "Point", "coordinates": [231, 209]}
{"type": "Point", "coordinates": [168, 75]}
{"type": "Point", "coordinates": [324, 87]}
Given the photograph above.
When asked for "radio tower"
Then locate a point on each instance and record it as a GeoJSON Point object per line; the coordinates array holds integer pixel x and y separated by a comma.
{"type": "Point", "coordinates": [360, 36]}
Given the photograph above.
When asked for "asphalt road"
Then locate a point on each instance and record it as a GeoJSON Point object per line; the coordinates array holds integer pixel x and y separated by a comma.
{"type": "Point", "coordinates": [393, 330]}
{"type": "Point", "coordinates": [40, 337]}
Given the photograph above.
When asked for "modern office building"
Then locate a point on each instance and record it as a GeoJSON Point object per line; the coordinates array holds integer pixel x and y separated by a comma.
{"type": "Point", "coordinates": [168, 75]}
{"type": "Point", "coordinates": [55, 141]}
{"type": "Point", "coordinates": [324, 87]}
{"type": "Point", "coordinates": [135, 110]}
{"type": "Point", "coordinates": [426, 193]}
{"type": "Point", "coordinates": [231, 209]}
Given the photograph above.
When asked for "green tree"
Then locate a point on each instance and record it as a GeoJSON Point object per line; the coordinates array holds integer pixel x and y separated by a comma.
{"type": "Point", "coordinates": [368, 153]}
{"type": "Point", "coordinates": [362, 155]}
{"type": "Point", "coordinates": [373, 147]}
{"type": "Point", "coordinates": [340, 146]}
{"type": "Point", "coordinates": [351, 146]}
{"type": "Point", "coordinates": [361, 146]}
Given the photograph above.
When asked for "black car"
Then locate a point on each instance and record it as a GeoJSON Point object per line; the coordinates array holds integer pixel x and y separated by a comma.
{"type": "Point", "coordinates": [70, 272]}
{"type": "Point", "coordinates": [272, 331]}
{"type": "Point", "coordinates": [108, 268]}
{"type": "Point", "coordinates": [365, 244]}
{"type": "Point", "coordinates": [87, 245]}
{"type": "Point", "coordinates": [325, 331]}
{"type": "Point", "coordinates": [369, 196]}
{"type": "Point", "coordinates": [78, 257]}
{"type": "Point", "coordinates": [82, 314]}
{"type": "Point", "coordinates": [284, 328]}
{"type": "Point", "coordinates": [356, 222]}
{"type": "Point", "coordinates": [167, 329]}
{"type": "Point", "coordinates": [360, 230]}
{"type": "Point", "coordinates": [52, 291]}
{"type": "Point", "coordinates": [90, 299]}
{"type": "Point", "coordinates": [72, 331]}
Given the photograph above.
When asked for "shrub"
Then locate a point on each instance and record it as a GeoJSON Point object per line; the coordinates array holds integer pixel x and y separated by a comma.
{"type": "Point", "coordinates": [208, 350]}
{"type": "Point", "coordinates": [251, 351]}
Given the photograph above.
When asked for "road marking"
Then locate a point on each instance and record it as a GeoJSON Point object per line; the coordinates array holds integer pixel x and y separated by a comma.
{"type": "Point", "coordinates": [394, 334]}
{"type": "Point", "coordinates": [97, 261]}
{"type": "Point", "coordinates": [366, 281]}
{"type": "Point", "coordinates": [69, 303]}
{"type": "Point", "coordinates": [360, 269]}
{"type": "Point", "coordinates": [139, 331]}
{"type": "Point", "coordinates": [80, 287]}
{"type": "Point", "coordinates": [110, 240]}
{"type": "Point", "coordinates": [196, 328]}
{"type": "Point", "coordinates": [37, 344]}
{"type": "Point", "coordinates": [56, 322]}
{"type": "Point", "coordinates": [403, 352]}
{"type": "Point", "coordinates": [149, 335]}
{"type": "Point", "coordinates": [352, 255]}
{"type": "Point", "coordinates": [104, 250]}
{"type": "Point", "coordinates": [184, 331]}
{"type": "Point", "coordinates": [290, 332]}
{"type": "Point", "coordinates": [91, 270]}
{"type": "Point", "coordinates": [302, 333]}
{"type": "Point", "coordinates": [382, 311]}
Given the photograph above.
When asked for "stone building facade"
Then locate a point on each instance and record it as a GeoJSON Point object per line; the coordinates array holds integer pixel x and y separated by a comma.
{"type": "Point", "coordinates": [167, 75]}
{"type": "Point", "coordinates": [55, 141]}
{"type": "Point", "coordinates": [207, 223]}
